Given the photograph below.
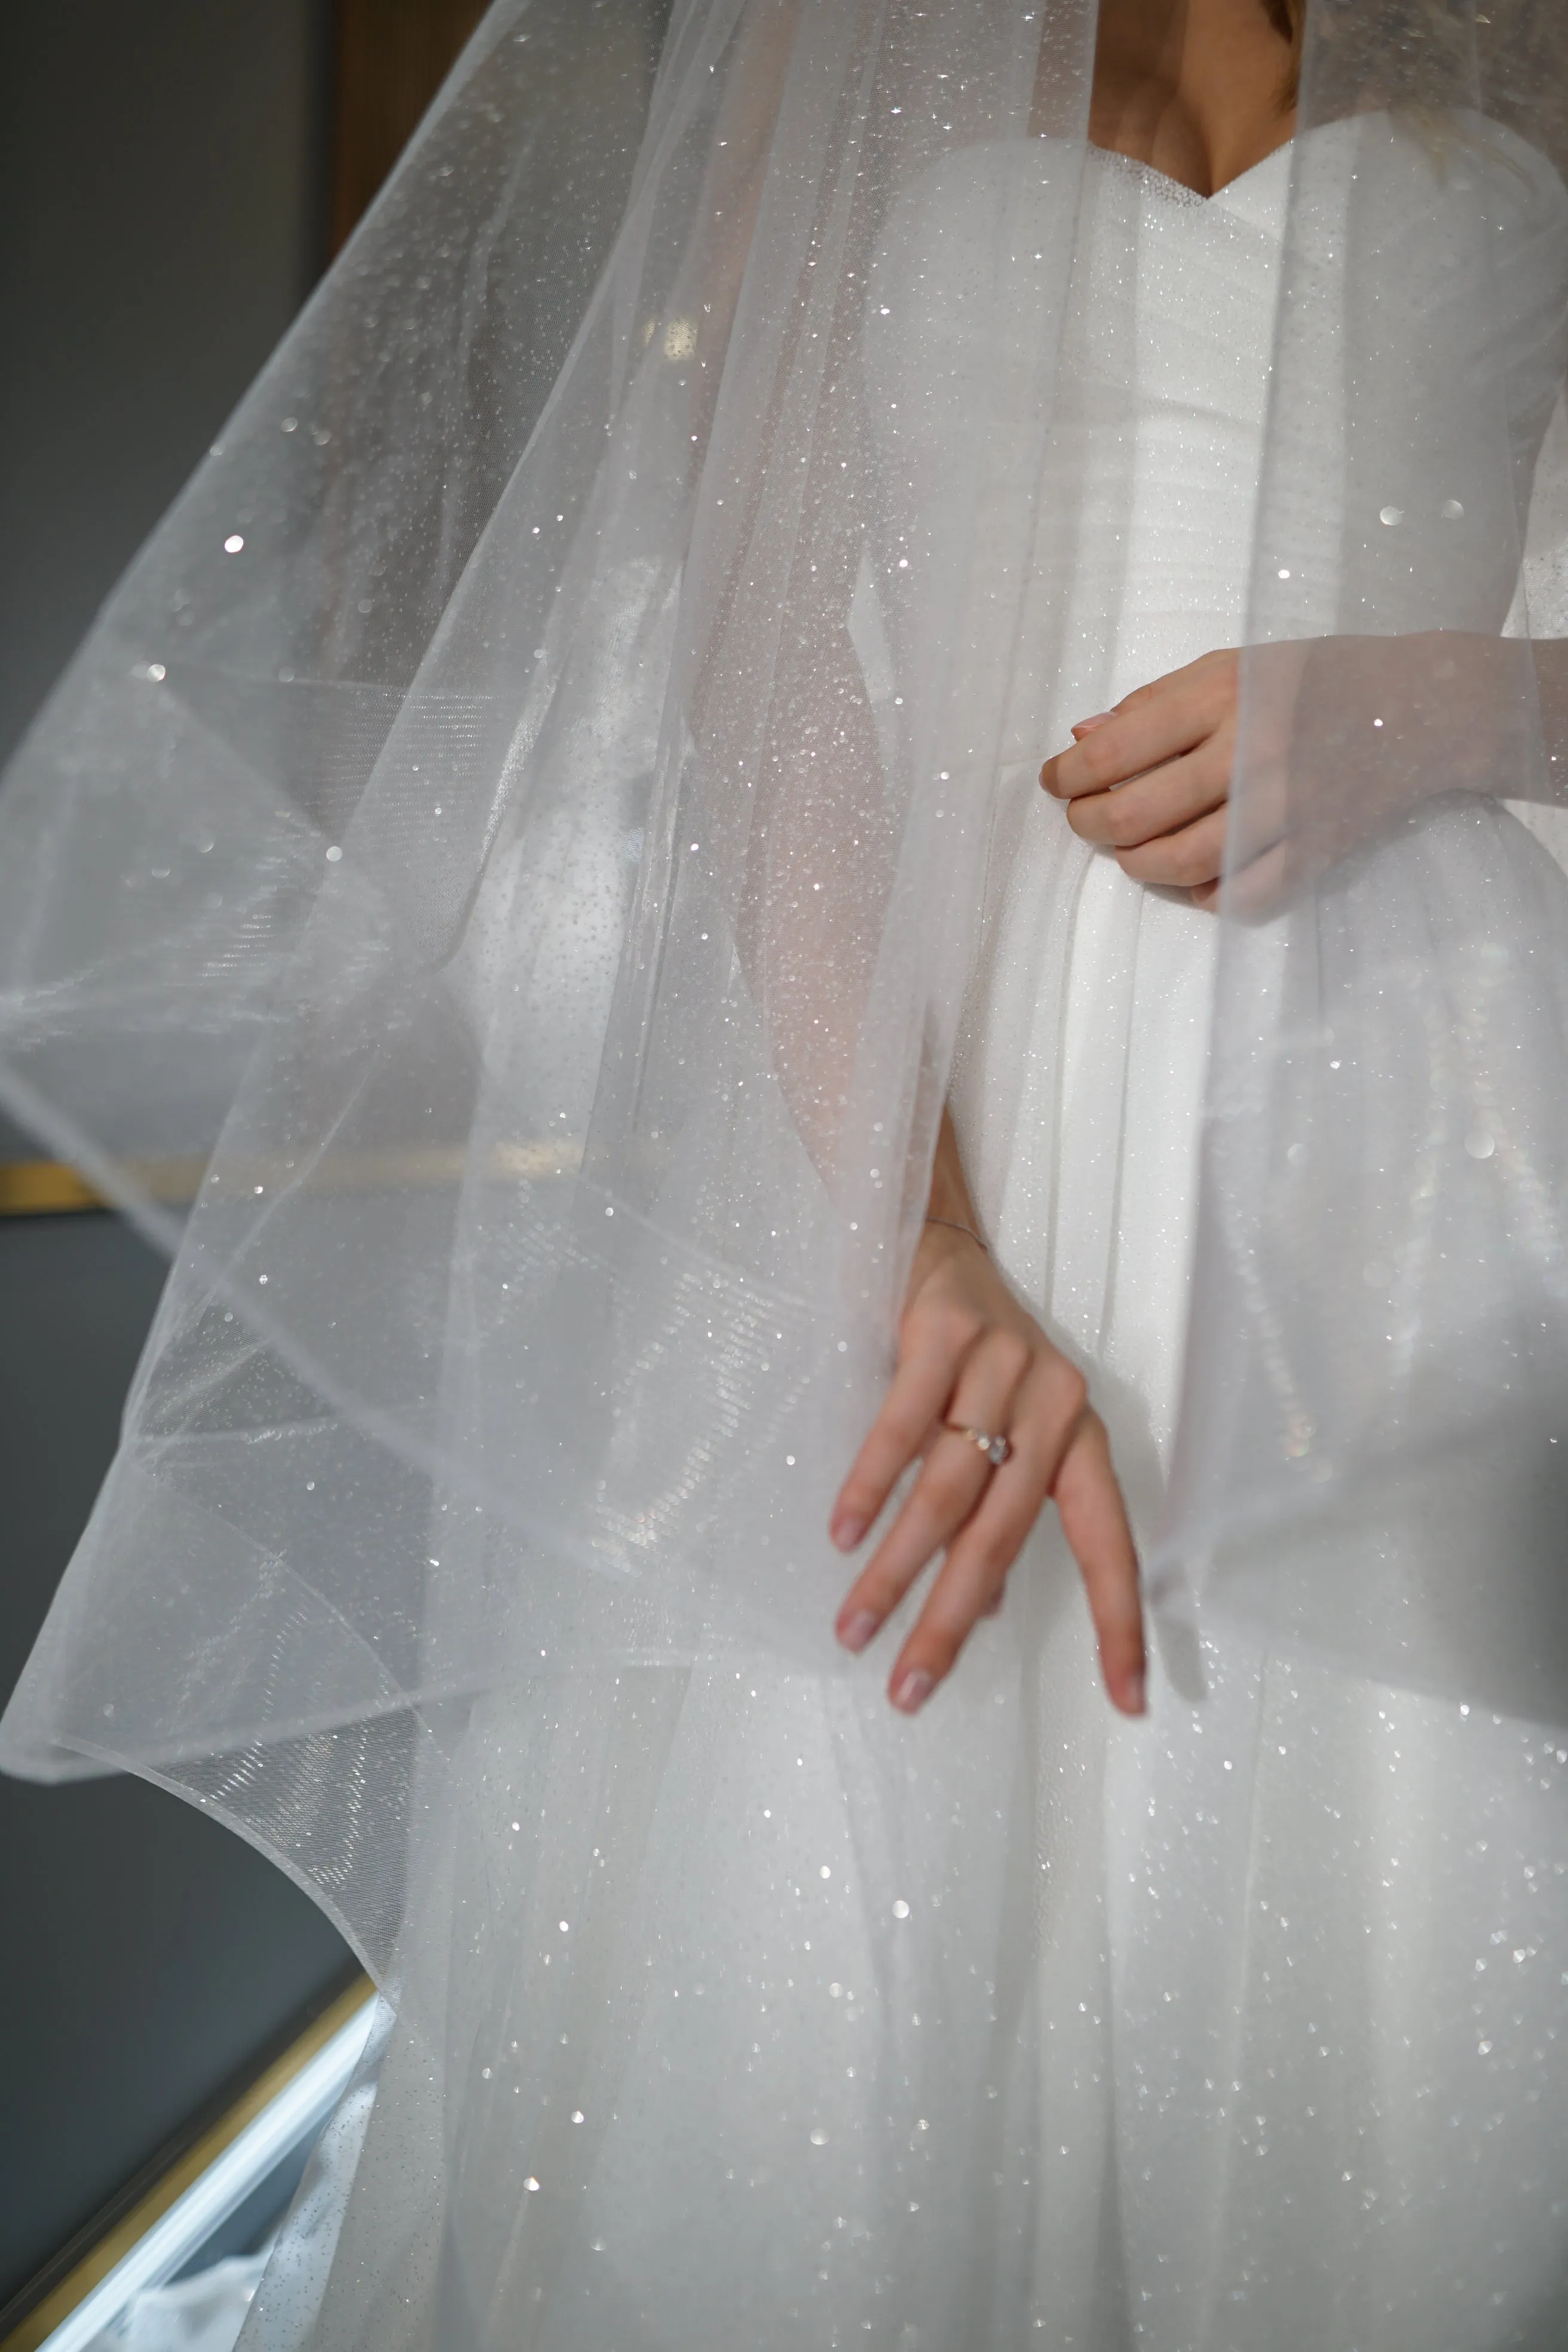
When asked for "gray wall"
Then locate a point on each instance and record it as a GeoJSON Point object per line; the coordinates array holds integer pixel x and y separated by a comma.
{"type": "Point", "coordinates": [162, 215]}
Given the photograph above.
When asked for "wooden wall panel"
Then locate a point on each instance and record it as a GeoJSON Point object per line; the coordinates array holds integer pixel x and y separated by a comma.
{"type": "Point", "coordinates": [392, 58]}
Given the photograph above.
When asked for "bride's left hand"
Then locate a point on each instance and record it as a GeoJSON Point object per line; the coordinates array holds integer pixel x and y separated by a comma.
{"type": "Point", "coordinates": [1150, 780]}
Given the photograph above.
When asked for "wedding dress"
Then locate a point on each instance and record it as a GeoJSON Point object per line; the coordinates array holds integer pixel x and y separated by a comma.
{"type": "Point", "coordinates": [769, 2018]}
{"type": "Point", "coordinates": [523, 858]}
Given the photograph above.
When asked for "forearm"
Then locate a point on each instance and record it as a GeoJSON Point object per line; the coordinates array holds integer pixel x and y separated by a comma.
{"type": "Point", "coordinates": [950, 1197]}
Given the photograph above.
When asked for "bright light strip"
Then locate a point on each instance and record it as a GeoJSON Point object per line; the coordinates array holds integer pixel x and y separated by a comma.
{"type": "Point", "coordinates": [298, 2109]}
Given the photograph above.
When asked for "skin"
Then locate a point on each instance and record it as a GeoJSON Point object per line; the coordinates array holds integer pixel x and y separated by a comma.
{"type": "Point", "coordinates": [1195, 87]}
{"type": "Point", "coordinates": [1350, 735]}
{"type": "Point", "coordinates": [1150, 780]}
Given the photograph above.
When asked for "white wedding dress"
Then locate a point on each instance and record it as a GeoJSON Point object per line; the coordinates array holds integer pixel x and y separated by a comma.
{"type": "Point", "coordinates": [750, 2014]}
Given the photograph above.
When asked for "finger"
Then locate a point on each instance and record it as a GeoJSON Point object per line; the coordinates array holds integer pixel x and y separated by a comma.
{"type": "Point", "coordinates": [1094, 1521]}
{"type": "Point", "coordinates": [919, 1389]}
{"type": "Point", "coordinates": [969, 1586]}
{"type": "Point", "coordinates": [1180, 860]}
{"type": "Point", "coordinates": [1257, 892]}
{"type": "Point", "coordinates": [971, 1580]}
{"type": "Point", "coordinates": [1258, 856]}
{"type": "Point", "coordinates": [950, 1483]}
{"type": "Point", "coordinates": [1158, 723]}
{"type": "Point", "coordinates": [1159, 803]}
{"type": "Point", "coordinates": [1046, 1415]}
{"type": "Point", "coordinates": [1263, 813]}
{"type": "Point", "coordinates": [943, 1496]}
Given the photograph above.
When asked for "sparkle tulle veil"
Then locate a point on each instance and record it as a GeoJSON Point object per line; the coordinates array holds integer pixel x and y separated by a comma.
{"type": "Point", "coordinates": [494, 897]}
{"type": "Point", "coordinates": [536, 858]}
{"type": "Point", "coordinates": [1377, 1376]}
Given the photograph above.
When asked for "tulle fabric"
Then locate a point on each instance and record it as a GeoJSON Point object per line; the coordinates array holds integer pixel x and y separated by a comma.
{"type": "Point", "coordinates": [610, 1002]}
{"type": "Point", "coordinates": [1376, 1391]}
{"type": "Point", "coordinates": [525, 852]}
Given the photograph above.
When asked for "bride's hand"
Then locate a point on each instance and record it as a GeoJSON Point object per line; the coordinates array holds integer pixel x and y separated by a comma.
{"type": "Point", "coordinates": [1150, 779]}
{"type": "Point", "coordinates": [1349, 738]}
{"type": "Point", "coordinates": [969, 1353]}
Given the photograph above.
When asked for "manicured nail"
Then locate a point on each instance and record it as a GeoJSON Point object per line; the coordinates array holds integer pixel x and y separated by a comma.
{"type": "Point", "coordinates": [1137, 1702]}
{"type": "Point", "coordinates": [1087, 726]}
{"type": "Point", "coordinates": [993, 1608]}
{"type": "Point", "coordinates": [913, 1690]}
{"type": "Point", "coordinates": [847, 1531]}
{"type": "Point", "coordinates": [856, 1631]}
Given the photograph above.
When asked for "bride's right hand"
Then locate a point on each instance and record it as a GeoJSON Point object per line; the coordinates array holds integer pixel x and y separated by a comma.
{"type": "Point", "coordinates": [1150, 780]}
{"type": "Point", "coordinates": [970, 1353]}
{"type": "Point", "coordinates": [1347, 738]}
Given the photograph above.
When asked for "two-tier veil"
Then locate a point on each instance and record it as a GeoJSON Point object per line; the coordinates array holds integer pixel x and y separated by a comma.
{"type": "Point", "coordinates": [495, 892]}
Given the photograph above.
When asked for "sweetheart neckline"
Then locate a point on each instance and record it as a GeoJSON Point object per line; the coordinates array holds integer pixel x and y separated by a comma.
{"type": "Point", "coordinates": [1183, 187]}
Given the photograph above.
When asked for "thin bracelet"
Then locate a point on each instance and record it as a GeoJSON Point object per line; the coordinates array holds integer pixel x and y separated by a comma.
{"type": "Point", "coordinates": [953, 1226]}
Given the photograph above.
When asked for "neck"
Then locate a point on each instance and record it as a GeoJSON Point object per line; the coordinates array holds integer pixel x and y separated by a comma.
{"type": "Point", "coordinates": [1194, 88]}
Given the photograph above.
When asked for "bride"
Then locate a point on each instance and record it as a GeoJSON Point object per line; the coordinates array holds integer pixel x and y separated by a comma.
{"type": "Point", "coordinates": [579, 878]}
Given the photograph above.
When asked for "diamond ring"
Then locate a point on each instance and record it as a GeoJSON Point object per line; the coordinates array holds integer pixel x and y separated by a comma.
{"type": "Point", "coordinates": [996, 1449]}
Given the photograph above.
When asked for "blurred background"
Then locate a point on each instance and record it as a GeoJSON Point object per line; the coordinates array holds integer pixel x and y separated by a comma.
{"type": "Point", "coordinates": [175, 176]}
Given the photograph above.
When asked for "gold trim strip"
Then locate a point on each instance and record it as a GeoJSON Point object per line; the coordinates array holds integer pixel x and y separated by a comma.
{"type": "Point", "coordinates": [38, 1188]}
{"type": "Point", "coordinates": [46, 1187]}
{"type": "Point", "coordinates": [116, 2244]}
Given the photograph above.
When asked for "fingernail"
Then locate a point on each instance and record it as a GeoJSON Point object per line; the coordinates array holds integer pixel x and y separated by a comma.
{"type": "Point", "coordinates": [913, 1690]}
{"type": "Point", "coordinates": [1137, 1702]}
{"type": "Point", "coordinates": [847, 1532]}
{"type": "Point", "coordinates": [856, 1631]}
{"type": "Point", "coordinates": [993, 1608]}
{"type": "Point", "coordinates": [1085, 726]}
